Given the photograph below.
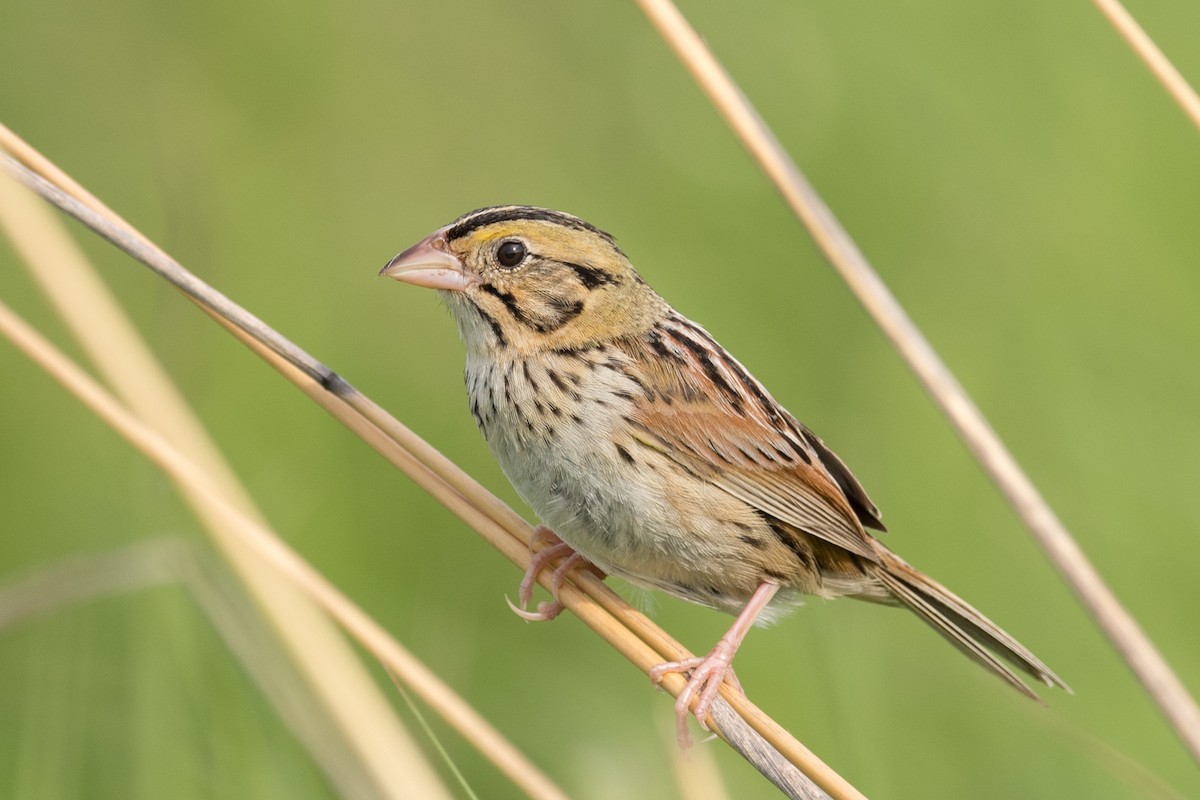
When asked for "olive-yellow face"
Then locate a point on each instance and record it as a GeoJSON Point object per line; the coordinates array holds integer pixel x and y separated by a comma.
{"type": "Point", "coordinates": [529, 278]}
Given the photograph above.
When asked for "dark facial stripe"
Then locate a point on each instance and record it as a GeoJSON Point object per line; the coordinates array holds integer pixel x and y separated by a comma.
{"type": "Point", "coordinates": [495, 326]}
{"type": "Point", "coordinates": [558, 312]}
{"type": "Point", "coordinates": [509, 301]}
{"type": "Point", "coordinates": [591, 277]}
{"type": "Point", "coordinates": [566, 310]}
{"type": "Point", "coordinates": [490, 215]}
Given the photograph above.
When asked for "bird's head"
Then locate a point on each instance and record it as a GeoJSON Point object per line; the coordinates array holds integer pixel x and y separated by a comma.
{"type": "Point", "coordinates": [530, 278]}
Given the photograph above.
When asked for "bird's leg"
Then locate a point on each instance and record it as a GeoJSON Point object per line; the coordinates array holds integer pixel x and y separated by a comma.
{"type": "Point", "coordinates": [546, 547]}
{"type": "Point", "coordinates": [707, 673]}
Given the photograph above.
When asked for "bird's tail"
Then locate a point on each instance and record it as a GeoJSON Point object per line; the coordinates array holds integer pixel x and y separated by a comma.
{"type": "Point", "coordinates": [971, 632]}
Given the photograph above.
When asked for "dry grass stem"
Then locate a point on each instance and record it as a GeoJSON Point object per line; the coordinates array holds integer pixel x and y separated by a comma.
{"type": "Point", "coordinates": [594, 603]}
{"type": "Point", "coordinates": [274, 552]}
{"type": "Point", "coordinates": [1122, 630]}
{"type": "Point", "coordinates": [177, 561]}
{"type": "Point", "coordinates": [354, 705]}
{"type": "Point", "coordinates": [1153, 57]}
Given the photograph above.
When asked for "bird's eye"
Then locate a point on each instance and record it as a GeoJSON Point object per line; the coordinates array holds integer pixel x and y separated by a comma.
{"type": "Point", "coordinates": [510, 253]}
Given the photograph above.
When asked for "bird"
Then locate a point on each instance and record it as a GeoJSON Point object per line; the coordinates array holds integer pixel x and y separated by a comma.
{"type": "Point", "coordinates": [648, 452]}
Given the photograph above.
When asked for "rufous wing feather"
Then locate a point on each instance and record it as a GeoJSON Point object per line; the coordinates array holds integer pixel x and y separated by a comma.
{"type": "Point", "coordinates": [744, 443]}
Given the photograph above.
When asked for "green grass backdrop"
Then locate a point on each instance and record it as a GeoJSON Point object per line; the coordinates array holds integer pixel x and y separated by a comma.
{"type": "Point", "coordinates": [1020, 181]}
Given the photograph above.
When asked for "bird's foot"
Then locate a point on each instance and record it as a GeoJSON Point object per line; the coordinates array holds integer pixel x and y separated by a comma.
{"type": "Point", "coordinates": [546, 547]}
{"type": "Point", "coordinates": [709, 672]}
{"type": "Point", "coordinates": [707, 675]}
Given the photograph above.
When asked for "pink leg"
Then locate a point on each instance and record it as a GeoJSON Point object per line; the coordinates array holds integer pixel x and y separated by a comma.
{"type": "Point", "coordinates": [551, 548]}
{"type": "Point", "coordinates": [710, 671]}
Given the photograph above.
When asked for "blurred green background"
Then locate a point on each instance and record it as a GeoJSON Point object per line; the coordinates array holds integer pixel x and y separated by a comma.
{"type": "Point", "coordinates": [1019, 180]}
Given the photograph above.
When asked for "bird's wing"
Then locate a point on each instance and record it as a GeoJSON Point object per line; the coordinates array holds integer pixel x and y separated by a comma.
{"type": "Point", "coordinates": [704, 411]}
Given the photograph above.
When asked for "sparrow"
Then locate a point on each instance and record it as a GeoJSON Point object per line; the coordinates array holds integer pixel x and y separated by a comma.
{"type": "Point", "coordinates": [652, 454]}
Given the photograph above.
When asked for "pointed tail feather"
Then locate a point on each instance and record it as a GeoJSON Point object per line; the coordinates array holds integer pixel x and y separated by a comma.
{"type": "Point", "coordinates": [968, 630]}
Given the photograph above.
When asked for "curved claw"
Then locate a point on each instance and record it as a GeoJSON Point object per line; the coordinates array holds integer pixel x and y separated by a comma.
{"type": "Point", "coordinates": [545, 611]}
{"type": "Point", "coordinates": [547, 547]}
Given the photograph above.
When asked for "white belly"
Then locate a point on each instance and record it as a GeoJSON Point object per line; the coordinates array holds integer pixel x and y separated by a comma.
{"type": "Point", "coordinates": [566, 465]}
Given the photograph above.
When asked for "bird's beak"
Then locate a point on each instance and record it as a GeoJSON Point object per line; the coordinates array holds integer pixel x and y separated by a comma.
{"type": "Point", "coordinates": [429, 263]}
